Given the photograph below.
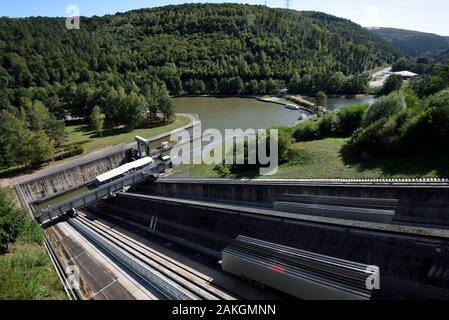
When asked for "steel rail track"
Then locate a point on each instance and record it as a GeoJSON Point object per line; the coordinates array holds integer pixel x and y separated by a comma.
{"type": "Point", "coordinates": [182, 270]}
{"type": "Point", "coordinates": [170, 281]}
{"type": "Point", "coordinates": [71, 292]}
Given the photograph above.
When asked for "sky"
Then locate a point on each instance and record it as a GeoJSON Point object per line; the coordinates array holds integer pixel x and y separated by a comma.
{"type": "Point", "coordinates": [427, 16]}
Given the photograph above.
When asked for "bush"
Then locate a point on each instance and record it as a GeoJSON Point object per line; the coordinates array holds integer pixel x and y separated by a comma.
{"type": "Point", "coordinates": [321, 99]}
{"type": "Point", "coordinates": [427, 131]}
{"type": "Point", "coordinates": [328, 124]}
{"type": "Point", "coordinates": [439, 100]}
{"type": "Point", "coordinates": [351, 118]}
{"type": "Point", "coordinates": [393, 83]}
{"type": "Point", "coordinates": [385, 107]}
{"type": "Point", "coordinates": [284, 142]}
{"type": "Point", "coordinates": [307, 131]}
{"type": "Point", "coordinates": [71, 152]}
{"type": "Point", "coordinates": [11, 220]}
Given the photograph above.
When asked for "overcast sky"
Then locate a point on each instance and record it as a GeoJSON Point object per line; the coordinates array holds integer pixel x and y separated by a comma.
{"type": "Point", "coordinates": [427, 16]}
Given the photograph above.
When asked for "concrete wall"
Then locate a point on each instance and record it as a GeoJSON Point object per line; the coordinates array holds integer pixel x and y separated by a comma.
{"type": "Point", "coordinates": [417, 204]}
{"type": "Point", "coordinates": [405, 261]}
{"type": "Point", "coordinates": [69, 178]}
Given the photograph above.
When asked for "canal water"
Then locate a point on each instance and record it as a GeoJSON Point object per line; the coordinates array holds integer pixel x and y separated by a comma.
{"type": "Point", "coordinates": [244, 113]}
{"type": "Point", "coordinates": [229, 113]}
{"type": "Point", "coordinates": [236, 113]}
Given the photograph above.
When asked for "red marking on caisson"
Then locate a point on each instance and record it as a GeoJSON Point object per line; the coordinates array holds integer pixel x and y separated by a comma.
{"type": "Point", "coordinates": [277, 268]}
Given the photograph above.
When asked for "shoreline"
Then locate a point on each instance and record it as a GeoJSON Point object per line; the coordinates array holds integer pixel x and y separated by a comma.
{"type": "Point", "coordinates": [265, 99]}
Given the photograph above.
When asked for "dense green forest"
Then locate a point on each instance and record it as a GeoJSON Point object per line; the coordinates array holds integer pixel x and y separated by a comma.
{"type": "Point", "coordinates": [414, 43]}
{"type": "Point", "coordinates": [127, 64]}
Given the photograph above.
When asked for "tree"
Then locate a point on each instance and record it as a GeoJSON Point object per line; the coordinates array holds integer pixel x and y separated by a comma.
{"type": "Point", "coordinates": [195, 87]}
{"type": "Point", "coordinates": [166, 105]}
{"type": "Point", "coordinates": [152, 93]}
{"type": "Point", "coordinates": [97, 119]}
{"type": "Point", "coordinates": [393, 83]}
{"type": "Point", "coordinates": [39, 148]}
{"type": "Point", "coordinates": [295, 84]}
{"type": "Point", "coordinates": [273, 87]}
{"type": "Point", "coordinates": [135, 109]}
{"type": "Point", "coordinates": [385, 107]}
{"type": "Point", "coordinates": [253, 87]}
{"type": "Point", "coordinates": [321, 99]}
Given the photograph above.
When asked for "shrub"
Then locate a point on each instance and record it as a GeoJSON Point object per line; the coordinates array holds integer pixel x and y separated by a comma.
{"type": "Point", "coordinates": [71, 152]}
{"type": "Point", "coordinates": [307, 131]}
{"type": "Point", "coordinates": [385, 107]}
{"type": "Point", "coordinates": [351, 118]}
{"type": "Point", "coordinates": [11, 220]}
{"type": "Point", "coordinates": [321, 99]}
{"type": "Point", "coordinates": [328, 124]}
{"type": "Point", "coordinates": [393, 83]}
{"type": "Point", "coordinates": [427, 131]}
{"type": "Point", "coordinates": [411, 99]}
{"type": "Point", "coordinates": [439, 100]}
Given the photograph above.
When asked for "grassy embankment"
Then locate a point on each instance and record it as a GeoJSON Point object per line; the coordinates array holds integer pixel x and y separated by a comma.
{"type": "Point", "coordinates": [26, 271]}
{"type": "Point", "coordinates": [323, 159]}
{"type": "Point", "coordinates": [85, 136]}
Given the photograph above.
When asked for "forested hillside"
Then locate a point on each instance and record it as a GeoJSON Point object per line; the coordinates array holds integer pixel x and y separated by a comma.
{"type": "Point", "coordinates": [183, 44]}
{"type": "Point", "coordinates": [414, 43]}
{"type": "Point", "coordinates": [124, 64]}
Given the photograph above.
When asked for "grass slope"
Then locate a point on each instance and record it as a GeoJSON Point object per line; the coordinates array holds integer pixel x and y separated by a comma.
{"type": "Point", "coordinates": [326, 161]}
{"type": "Point", "coordinates": [26, 271]}
{"type": "Point", "coordinates": [85, 135]}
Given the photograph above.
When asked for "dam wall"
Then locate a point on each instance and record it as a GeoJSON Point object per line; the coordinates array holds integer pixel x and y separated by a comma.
{"type": "Point", "coordinates": [412, 265]}
{"type": "Point", "coordinates": [418, 204]}
{"type": "Point", "coordinates": [70, 177]}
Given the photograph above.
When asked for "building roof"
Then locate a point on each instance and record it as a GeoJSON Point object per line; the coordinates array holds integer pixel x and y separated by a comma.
{"type": "Point", "coordinates": [407, 74]}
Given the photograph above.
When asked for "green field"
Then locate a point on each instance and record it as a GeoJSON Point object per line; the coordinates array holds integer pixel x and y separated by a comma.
{"type": "Point", "coordinates": [326, 161]}
{"type": "Point", "coordinates": [26, 271]}
{"type": "Point", "coordinates": [84, 134]}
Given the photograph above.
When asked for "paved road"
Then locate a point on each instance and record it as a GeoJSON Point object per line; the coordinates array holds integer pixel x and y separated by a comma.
{"type": "Point", "coordinates": [379, 78]}
{"type": "Point", "coordinates": [194, 119]}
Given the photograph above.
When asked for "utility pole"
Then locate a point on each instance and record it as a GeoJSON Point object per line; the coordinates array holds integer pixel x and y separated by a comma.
{"type": "Point", "coordinates": [287, 4]}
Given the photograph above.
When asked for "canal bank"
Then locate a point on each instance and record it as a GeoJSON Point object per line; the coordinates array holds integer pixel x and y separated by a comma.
{"type": "Point", "coordinates": [74, 175]}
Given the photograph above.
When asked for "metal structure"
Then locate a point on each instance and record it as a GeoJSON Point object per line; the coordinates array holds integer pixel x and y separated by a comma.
{"type": "Point", "coordinates": [288, 3]}
{"type": "Point", "coordinates": [61, 209]}
{"type": "Point", "coordinates": [303, 274]}
{"type": "Point", "coordinates": [143, 147]}
{"type": "Point", "coordinates": [359, 209]}
{"type": "Point", "coordinates": [164, 277]}
{"type": "Point", "coordinates": [160, 285]}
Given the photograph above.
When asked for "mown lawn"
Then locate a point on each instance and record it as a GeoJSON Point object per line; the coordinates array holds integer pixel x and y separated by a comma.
{"type": "Point", "coordinates": [87, 137]}
{"type": "Point", "coordinates": [26, 271]}
{"type": "Point", "coordinates": [326, 161]}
